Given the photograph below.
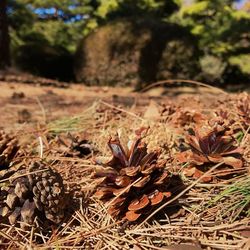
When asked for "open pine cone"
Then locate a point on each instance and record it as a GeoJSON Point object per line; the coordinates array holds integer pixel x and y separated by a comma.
{"type": "Point", "coordinates": [37, 193]}
{"type": "Point", "coordinates": [211, 146]}
{"type": "Point", "coordinates": [135, 183]}
{"type": "Point", "coordinates": [8, 149]}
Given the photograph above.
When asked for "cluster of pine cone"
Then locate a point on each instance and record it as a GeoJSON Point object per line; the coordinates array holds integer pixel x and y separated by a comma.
{"type": "Point", "coordinates": [132, 183]}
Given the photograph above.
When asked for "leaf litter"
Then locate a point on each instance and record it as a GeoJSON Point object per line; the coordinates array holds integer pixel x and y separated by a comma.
{"type": "Point", "coordinates": [208, 206]}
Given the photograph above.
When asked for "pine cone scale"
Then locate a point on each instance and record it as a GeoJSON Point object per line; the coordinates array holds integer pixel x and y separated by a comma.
{"type": "Point", "coordinates": [142, 182]}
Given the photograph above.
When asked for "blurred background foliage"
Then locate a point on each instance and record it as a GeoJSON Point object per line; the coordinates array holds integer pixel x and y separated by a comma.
{"type": "Point", "coordinates": [45, 35]}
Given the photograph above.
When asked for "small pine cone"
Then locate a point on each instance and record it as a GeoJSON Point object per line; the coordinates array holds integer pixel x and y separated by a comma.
{"type": "Point", "coordinates": [8, 149]}
{"type": "Point", "coordinates": [212, 145]}
{"type": "Point", "coordinates": [136, 182]}
{"type": "Point", "coordinates": [39, 193]}
{"type": "Point", "coordinates": [73, 145]}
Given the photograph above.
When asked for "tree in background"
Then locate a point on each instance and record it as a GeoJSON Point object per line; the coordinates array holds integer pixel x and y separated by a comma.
{"type": "Point", "coordinates": [223, 33]}
{"type": "Point", "coordinates": [65, 22]}
{"type": "Point", "coordinates": [136, 45]}
{"type": "Point", "coordinates": [4, 36]}
{"type": "Point", "coordinates": [59, 22]}
{"type": "Point", "coordinates": [50, 30]}
{"type": "Point", "coordinates": [45, 33]}
{"type": "Point", "coordinates": [112, 9]}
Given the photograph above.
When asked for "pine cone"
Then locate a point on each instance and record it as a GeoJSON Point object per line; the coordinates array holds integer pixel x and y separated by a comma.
{"type": "Point", "coordinates": [8, 149]}
{"type": "Point", "coordinates": [136, 182]}
{"type": "Point", "coordinates": [73, 145]}
{"type": "Point", "coordinates": [210, 146]}
{"type": "Point", "coordinates": [38, 193]}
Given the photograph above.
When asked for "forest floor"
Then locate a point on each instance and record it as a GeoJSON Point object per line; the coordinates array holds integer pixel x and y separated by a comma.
{"type": "Point", "coordinates": [211, 210]}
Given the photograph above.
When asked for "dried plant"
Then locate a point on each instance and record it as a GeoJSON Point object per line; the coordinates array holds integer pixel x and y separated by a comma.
{"type": "Point", "coordinates": [135, 182]}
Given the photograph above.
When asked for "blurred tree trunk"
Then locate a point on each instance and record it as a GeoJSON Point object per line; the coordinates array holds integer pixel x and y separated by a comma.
{"type": "Point", "coordinates": [4, 36]}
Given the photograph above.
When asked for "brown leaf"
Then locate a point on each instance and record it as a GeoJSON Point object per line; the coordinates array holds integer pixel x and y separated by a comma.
{"type": "Point", "coordinates": [142, 131]}
{"type": "Point", "coordinates": [135, 247]}
{"type": "Point", "coordinates": [196, 173]}
{"type": "Point", "coordinates": [245, 232]}
{"type": "Point", "coordinates": [184, 156]}
{"type": "Point", "coordinates": [189, 171]}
